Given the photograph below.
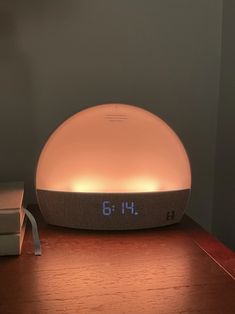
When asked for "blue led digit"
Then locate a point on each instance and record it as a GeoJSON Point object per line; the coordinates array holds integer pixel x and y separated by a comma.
{"type": "Point", "coordinates": [123, 208]}
{"type": "Point", "coordinates": [130, 207]}
{"type": "Point", "coordinates": [106, 209]}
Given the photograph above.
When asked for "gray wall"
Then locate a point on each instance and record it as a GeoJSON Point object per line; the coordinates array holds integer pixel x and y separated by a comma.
{"type": "Point", "coordinates": [224, 207]}
{"type": "Point", "coordinates": [61, 56]}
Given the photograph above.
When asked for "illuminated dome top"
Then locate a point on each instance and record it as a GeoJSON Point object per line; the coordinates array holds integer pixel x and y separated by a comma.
{"type": "Point", "coordinates": [113, 148]}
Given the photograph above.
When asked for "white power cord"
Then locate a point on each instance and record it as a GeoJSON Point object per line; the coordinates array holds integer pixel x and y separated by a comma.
{"type": "Point", "coordinates": [36, 240]}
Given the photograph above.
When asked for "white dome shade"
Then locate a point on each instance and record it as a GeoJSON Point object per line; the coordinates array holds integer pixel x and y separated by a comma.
{"type": "Point", "coordinates": [113, 148]}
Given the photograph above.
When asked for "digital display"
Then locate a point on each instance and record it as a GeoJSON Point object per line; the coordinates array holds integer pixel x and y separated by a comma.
{"type": "Point", "coordinates": [123, 208]}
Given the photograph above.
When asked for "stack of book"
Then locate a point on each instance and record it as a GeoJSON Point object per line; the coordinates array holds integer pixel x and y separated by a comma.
{"type": "Point", "coordinates": [12, 218]}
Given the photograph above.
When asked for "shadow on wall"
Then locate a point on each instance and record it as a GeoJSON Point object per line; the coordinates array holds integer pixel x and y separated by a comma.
{"type": "Point", "coordinates": [17, 133]}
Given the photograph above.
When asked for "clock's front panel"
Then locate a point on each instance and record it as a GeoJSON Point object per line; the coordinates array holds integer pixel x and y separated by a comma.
{"type": "Point", "coordinates": [112, 211]}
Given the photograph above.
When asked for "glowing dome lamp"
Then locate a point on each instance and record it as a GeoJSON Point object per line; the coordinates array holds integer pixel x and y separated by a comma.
{"type": "Point", "coordinates": [113, 166]}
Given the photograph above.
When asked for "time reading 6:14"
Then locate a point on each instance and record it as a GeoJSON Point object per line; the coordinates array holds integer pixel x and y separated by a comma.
{"type": "Point", "coordinates": [124, 208]}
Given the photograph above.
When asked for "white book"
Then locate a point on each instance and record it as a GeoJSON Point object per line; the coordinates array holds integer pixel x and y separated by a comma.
{"type": "Point", "coordinates": [11, 244]}
{"type": "Point", "coordinates": [11, 220]}
{"type": "Point", "coordinates": [11, 195]}
{"type": "Point", "coordinates": [11, 211]}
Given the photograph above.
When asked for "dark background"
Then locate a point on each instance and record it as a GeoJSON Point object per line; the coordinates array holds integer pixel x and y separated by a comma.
{"type": "Point", "coordinates": [175, 58]}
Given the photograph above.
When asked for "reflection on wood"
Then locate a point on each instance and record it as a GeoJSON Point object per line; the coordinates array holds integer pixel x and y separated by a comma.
{"type": "Point", "coordinates": [152, 271]}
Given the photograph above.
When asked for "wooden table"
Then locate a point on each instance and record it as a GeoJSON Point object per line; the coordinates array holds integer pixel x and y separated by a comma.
{"type": "Point", "coordinates": [158, 271]}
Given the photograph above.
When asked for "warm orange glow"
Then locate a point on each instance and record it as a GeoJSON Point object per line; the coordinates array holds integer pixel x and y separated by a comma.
{"type": "Point", "coordinates": [137, 184]}
{"type": "Point", "coordinates": [113, 148]}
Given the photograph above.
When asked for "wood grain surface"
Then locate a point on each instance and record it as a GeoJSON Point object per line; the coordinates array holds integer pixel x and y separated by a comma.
{"type": "Point", "coordinates": [151, 271]}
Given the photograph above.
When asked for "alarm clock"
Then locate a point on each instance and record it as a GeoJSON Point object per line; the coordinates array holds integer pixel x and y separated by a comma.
{"type": "Point", "coordinates": [113, 167]}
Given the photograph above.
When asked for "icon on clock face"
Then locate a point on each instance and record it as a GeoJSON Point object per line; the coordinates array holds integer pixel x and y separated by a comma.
{"type": "Point", "coordinates": [124, 208]}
